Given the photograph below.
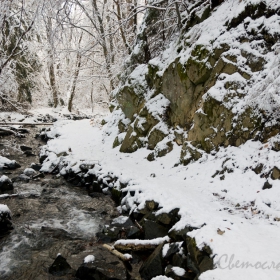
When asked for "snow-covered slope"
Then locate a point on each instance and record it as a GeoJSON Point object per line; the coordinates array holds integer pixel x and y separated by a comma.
{"type": "Point", "coordinates": [216, 192]}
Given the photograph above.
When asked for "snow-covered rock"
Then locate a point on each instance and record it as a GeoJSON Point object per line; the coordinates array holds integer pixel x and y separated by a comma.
{"type": "Point", "coordinates": [5, 219]}
{"type": "Point", "coordinates": [5, 184]}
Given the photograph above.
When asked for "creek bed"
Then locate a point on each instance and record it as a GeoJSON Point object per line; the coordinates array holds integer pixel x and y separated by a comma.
{"type": "Point", "coordinates": [49, 216]}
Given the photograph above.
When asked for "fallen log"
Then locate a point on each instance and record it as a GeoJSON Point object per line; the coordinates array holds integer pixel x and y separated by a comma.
{"type": "Point", "coordinates": [139, 245]}
{"type": "Point", "coordinates": [116, 253]}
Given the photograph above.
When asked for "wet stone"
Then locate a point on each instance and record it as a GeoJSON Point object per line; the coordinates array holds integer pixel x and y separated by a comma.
{"type": "Point", "coordinates": [267, 185]}
{"type": "Point", "coordinates": [154, 230]}
{"type": "Point", "coordinates": [36, 166]}
{"type": "Point", "coordinates": [60, 267]}
{"type": "Point", "coordinates": [21, 178]}
{"type": "Point", "coordinates": [106, 266]}
{"type": "Point", "coordinates": [5, 223]}
{"type": "Point", "coordinates": [5, 184]}
{"type": "Point", "coordinates": [25, 148]}
{"type": "Point", "coordinates": [153, 266]}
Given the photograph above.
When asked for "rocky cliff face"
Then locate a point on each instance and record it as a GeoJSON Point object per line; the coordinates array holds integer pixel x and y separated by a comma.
{"type": "Point", "coordinates": [216, 83]}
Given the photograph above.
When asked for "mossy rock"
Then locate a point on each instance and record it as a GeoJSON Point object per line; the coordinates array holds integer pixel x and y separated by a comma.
{"type": "Point", "coordinates": [214, 126]}
{"type": "Point", "coordinates": [198, 71]}
{"type": "Point", "coordinates": [103, 122]}
{"type": "Point", "coordinates": [189, 154]}
{"type": "Point", "coordinates": [161, 152]}
{"type": "Point", "coordinates": [179, 90]}
{"type": "Point", "coordinates": [153, 79]}
{"type": "Point", "coordinates": [129, 101]}
{"type": "Point", "coordinates": [200, 258]}
{"type": "Point", "coordinates": [117, 142]}
{"type": "Point", "coordinates": [129, 143]}
{"type": "Point", "coordinates": [155, 137]}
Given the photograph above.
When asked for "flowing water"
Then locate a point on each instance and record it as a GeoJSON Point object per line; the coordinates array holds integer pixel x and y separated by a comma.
{"type": "Point", "coordinates": [49, 216]}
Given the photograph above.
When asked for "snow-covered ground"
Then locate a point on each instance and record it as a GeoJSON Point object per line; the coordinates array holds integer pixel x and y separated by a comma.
{"type": "Point", "coordinates": [233, 202]}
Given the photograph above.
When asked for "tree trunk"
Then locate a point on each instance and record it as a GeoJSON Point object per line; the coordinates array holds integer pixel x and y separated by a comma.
{"type": "Point", "coordinates": [51, 63]}
{"type": "Point", "coordinates": [74, 82]}
{"type": "Point", "coordinates": [75, 78]}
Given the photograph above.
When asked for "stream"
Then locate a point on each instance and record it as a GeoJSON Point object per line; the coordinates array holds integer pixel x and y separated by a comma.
{"type": "Point", "coordinates": [49, 215]}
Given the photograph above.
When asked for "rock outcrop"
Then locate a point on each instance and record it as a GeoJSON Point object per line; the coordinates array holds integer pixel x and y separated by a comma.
{"type": "Point", "coordinates": [208, 86]}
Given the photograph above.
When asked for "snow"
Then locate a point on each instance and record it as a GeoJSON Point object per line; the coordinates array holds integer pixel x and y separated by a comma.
{"type": "Point", "coordinates": [120, 220]}
{"type": "Point", "coordinates": [178, 270]}
{"type": "Point", "coordinates": [236, 203]}
{"type": "Point", "coordinates": [161, 278]}
{"type": "Point", "coordinates": [155, 241]}
{"type": "Point", "coordinates": [89, 259]}
{"type": "Point", "coordinates": [128, 256]}
{"type": "Point", "coordinates": [4, 209]}
{"type": "Point", "coordinates": [29, 172]}
{"type": "Point", "coordinates": [5, 161]}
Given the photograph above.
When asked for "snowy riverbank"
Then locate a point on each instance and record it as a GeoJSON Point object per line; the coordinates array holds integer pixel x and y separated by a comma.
{"type": "Point", "coordinates": [220, 194]}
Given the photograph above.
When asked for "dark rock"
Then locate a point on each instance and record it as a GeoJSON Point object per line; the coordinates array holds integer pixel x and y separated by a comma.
{"type": "Point", "coordinates": [154, 230]}
{"type": "Point", "coordinates": [179, 260]}
{"type": "Point", "coordinates": [153, 266]}
{"type": "Point", "coordinates": [134, 233]}
{"type": "Point", "coordinates": [25, 148]}
{"type": "Point", "coordinates": [275, 174]}
{"type": "Point", "coordinates": [149, 206]}
{"type": "Point", "coordinates": [5, 222]}
{"type": "Point", "coordinates": [96, 187]}
{"type": "Point", "coordinates": [179, 235]}
{"type": "Point", "coordinates": [104, 237]}
{"type": "Point", "coordinates": [58, 233]}
{"type": "Point", "coordinates": [170, 271]}
{"type": "Point", "coordinates": [29, 153]}
{"type": "Point", "coordinates": [12, 165]}
{"type": "Point", "coordinates": [22, 130]}
{"type": "Point", "coordinates": [266, 185]}
{"type": "Point", "coordinates": [85, 167]}
{"type": "Point", "coordinates": [173, 248]}
{"type": "Point", "coordinates": [122, 221]}
{"type": "Point", "coordinates": [151, 157]}
{"type": "Point", "coordinates": [96, 194]}
{"type": "Point", "coordinates": [36, 166]}
{"type": "Point", "coordinates": [5, 184]}
{"type": "Point", "coordinates": [21, 177]}
{"type": "Point", "coordinates": [42, 158]}
{"type": "Point", "coordinates": [60, 267]}
{"type": "Point", "coordinates": [106, 266]}
{"type": "Point", "coordinates": [258, 169]}
{"type": "Point", "coordinates": [169, 218]}
{"type": "Point", "coordinates": [117, 195]}
{"type": "Point", "coordinates": [136, 215]}
{"type": "Point", "coordinates": [200, 260]}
